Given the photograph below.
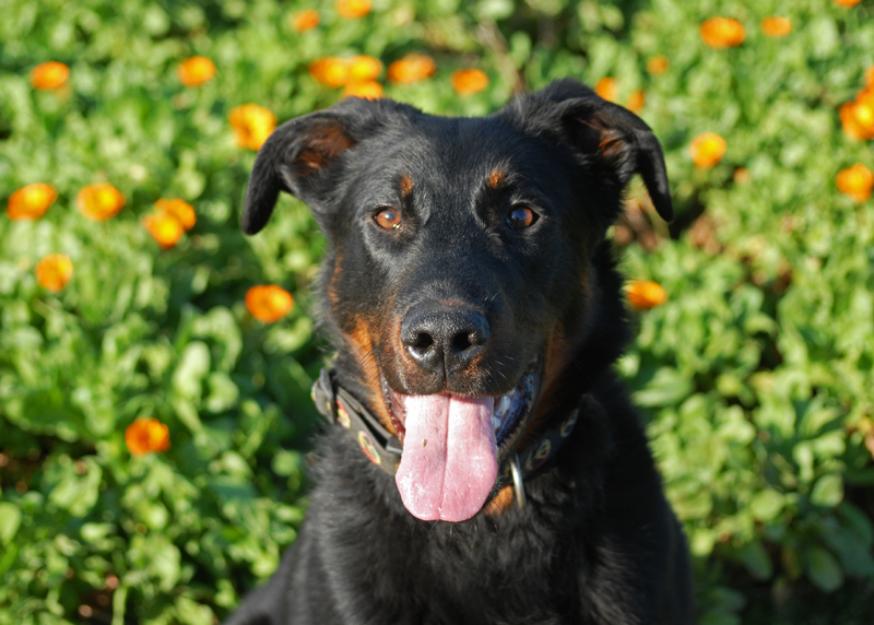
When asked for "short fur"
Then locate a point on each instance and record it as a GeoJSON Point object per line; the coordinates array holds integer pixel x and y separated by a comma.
{"type": "Point", "coordinates": [597, 543]}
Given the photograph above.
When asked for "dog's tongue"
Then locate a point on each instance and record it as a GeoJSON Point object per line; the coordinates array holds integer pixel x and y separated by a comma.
{"type": "Point", "coordinates": [449, 460]}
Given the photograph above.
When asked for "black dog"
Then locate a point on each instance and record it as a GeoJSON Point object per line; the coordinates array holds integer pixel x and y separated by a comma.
{"type": "Point", "coordinates": [488, 466]}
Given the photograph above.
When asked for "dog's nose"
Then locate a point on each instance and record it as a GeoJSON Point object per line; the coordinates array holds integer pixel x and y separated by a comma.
{"type": "Point", "coordinates": [444, 337]}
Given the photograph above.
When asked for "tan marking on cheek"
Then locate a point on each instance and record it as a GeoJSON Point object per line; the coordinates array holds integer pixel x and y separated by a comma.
{"type": "Point", "coordinates": [496, 178]}
{"type": "Point", "coordinates": [361, 341]}
{"type": "Point", "coordinates": [406, 186]}
{"type": "Point", "coordinates": [500, 502]}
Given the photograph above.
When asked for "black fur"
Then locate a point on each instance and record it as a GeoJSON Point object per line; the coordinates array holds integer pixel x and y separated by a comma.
{"type": "Point", "coordinates": [597, 542]}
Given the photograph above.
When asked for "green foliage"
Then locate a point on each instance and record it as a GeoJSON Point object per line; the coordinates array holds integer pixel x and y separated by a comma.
{"type": "Point", "coordinates": [756, 375]}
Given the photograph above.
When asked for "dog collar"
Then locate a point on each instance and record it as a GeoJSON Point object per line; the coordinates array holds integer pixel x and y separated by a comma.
{"type": "Point", "coordinates": [383, 449]}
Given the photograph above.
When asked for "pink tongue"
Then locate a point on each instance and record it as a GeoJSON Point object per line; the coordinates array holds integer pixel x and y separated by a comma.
{"type": "Point", "coordinates": [449, 462]}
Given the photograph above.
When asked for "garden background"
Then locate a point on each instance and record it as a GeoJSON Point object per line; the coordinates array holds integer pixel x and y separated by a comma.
{"type": "Point", "coordinates": [154, 408]}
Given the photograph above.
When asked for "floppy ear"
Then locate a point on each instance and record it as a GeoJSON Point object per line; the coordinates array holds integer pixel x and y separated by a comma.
{"type": "Point", "coordinates": [305, 156]}
{"type": "Point", "coordinates": [616, 140]}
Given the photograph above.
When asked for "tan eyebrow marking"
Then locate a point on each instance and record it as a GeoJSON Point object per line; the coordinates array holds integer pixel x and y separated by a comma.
{"type": "Point", "coordinates": [406, 186]}
{"type": "Point", "coordinates": [496, 178]}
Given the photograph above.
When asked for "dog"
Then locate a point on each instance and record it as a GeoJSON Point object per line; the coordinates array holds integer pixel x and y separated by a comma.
{"type": "Point", "coordinates": [484, 462]}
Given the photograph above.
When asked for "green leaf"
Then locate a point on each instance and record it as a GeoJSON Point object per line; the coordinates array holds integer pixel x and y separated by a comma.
{"type": "Point", "coordinates": [668, 386]}
{"type": "Point", "coordinates": [10, 520]}
{"type": "Point", "coordinates": [193, 367]}
{"type": "Point", "coordinates": [756, 560]}
{"type": "Point", "coordinates": [828, 491]}
{"type": "Point", "coordinates": [766, 505]}
{"type": "Point", "coordinates": [823, 569]}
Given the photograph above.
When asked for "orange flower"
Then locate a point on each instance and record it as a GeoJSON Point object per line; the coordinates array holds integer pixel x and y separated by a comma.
{"type": "Point", "coordinates": [363, 68]}
{"type": "Point", "coordinates": [147, 435]}
{"type": "Point", "coordinates": [164, 228]}
{"type": "Point", "coordinates": [49, 75]}
{"type": "Point", "coordinates": [606, 88]}
{"type": "Point", "coordinates": [195, 71]}
{"type": "Point", "coordinates": [869, 78]}
{"type": "Point", "coordinates": [857, 116]}
{"type": "Point", "coordinates": [776, 26]}
{"type": "Point", "coordinates": [252, 124]}
{"type": "Point", "coordinates": [412, 68]}
{"type": "Point", "coordinates": [180, 209]}
{"type": "Point", "coordinates": [469, 80]}
{"type": "Point", "coordinates": [54, 271]}
{"type": "Point", "coordinates": [268, 302]}
{"type": "Point", "coordinates": [370, 90]}
{"type": "Point", "coordinates": [657, 65]}
{"type": "Point", "coordinates": [856, 181]}
{"type": "Point", "coordinates": [31, 201]}
{"type": "Point", "coordinates": [847, 3]}
{"type": "Point", "coordinates": [305, 20]}
{"type": "Point", "coordinates": [100, 201]}
{"type": "Point", "coordinates": [330, 71]}
{"type": "Point", "coordinates": [722, 32]}
{"type": "Point", "coordinates": [353, 9]}
{"type": "Point", "coordinates": [645, 294]}
{"type": "Point", "coordinates": [636, 101]}
{"type": "Point", "coordinates": [707, 149]}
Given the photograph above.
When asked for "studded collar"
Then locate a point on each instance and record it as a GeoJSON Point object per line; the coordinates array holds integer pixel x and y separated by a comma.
{"type": "Point", "coordinates": [383, 449]}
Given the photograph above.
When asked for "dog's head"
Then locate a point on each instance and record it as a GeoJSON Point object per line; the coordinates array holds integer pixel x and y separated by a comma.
{"type": "Point", "coordinates": [460, 279]}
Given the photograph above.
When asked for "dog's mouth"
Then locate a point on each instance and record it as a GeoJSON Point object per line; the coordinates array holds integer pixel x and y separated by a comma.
{"type": "Point", "coordinates": [453, 444]}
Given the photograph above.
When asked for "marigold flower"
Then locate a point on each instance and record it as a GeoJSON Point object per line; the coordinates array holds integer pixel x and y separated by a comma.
{"type": "Point", "coordinates": [469, 80]}
{"type": "Point", "coordinates": [851, 127]}
{"type": "Point", "coordinates": [330, 71]}
{"type": "Point", "coordinates": [636, 101]}
{"type": "Point", "coordinates": [363, 68]}
{"type": "Point", "coordinates": [657, 65]}
{"type": "Point", "coordinates": [54, 271]}
{"type": "Point", "coordinates": [164, 228]}
{"type": "Point", "coordinates": [776, 26]}
{"type": "Point", "coordinates": [147, 435]}
{"type": "Point", "coordinates": [722, 32]}
{"type": "Point", "coordinates": [100, 201]}
{"type": "Point", "coordinates": [645, 294]}
{"type": "Point", "coordinates": [707, 149]}
{"type": "Point", "coordinates": [847, 3]}
{"type": "Point", "coordinates": [855, 181]}
{"type": "Point", "coordinates": [370, 90]}
{"type": "Point", "coordinates": [412, 68]}
{"type": "Point", "coordinates": [305, 20]}
{"type": "Point", "coordinates": [195, 71]}
{"type": "Point", "coordinates": [180, 209]}
{"type": "Point", "coordinates": [606, 88]}
{"type": "Point", "coordinates": [269, 302]}
{"type": "Point", "coordinates": [49, 75]}
{"type": "Point", "coordinates": [353, 9]}
{"type": "Point", "coordinates": [857, 116]}
{"type": "Point", "coordinates": [252, 124]}
{"type": "Point", "coordinates": [31, 201]}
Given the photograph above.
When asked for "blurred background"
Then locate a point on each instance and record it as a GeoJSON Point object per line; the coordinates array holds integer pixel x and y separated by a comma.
{"type": "Point", "coordinates": [155, 364]}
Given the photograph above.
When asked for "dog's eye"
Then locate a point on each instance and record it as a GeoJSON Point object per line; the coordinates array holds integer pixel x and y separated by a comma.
{"type": "Point", "coordinates": [388, 218]}
{"type": "Point", "coordinates": [521, 217]}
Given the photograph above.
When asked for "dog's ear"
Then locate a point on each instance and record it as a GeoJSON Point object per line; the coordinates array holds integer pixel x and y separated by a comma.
{"type": "Point", "coordinates": [305, 156]}
{"type": "Point", "coordinates": [607, 135]}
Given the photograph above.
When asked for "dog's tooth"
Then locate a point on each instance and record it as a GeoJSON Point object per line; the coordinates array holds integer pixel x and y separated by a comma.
{"type": "Point", "coordinates": [496, 422]}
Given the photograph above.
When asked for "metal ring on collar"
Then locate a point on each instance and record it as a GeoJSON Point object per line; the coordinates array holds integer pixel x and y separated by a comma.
{"type": "Point", "coordinates": [518, 485]}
